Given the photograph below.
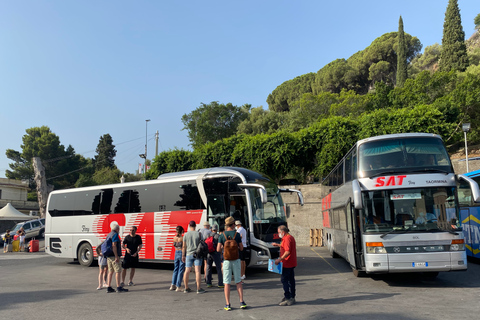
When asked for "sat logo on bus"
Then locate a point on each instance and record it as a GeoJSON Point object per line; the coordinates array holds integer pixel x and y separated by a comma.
{"type": "Point", "coordinates": [391, 181]}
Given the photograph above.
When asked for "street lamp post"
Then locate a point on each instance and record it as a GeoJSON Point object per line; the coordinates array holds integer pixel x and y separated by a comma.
{"type": "Point", "coordinates": [146, 139]}
{"type": "Point", "coordinates": [144, 155]}
{"type": "Point", "coordinates": [466, 128]}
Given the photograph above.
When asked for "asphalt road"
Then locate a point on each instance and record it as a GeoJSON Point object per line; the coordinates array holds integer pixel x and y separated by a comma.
{"type": "Point", "coordinates": [38, 286]}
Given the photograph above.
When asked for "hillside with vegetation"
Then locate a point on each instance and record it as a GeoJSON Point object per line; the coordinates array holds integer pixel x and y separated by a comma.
{"type": "Point", "coordinates": [313, 119]}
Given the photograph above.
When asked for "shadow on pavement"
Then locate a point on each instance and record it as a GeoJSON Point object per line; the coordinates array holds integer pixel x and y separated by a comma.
{"type": "Point", "coordinates": [9, 300]}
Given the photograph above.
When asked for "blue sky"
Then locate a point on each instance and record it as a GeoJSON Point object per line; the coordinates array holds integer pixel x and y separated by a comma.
{"type": "Point", "coordinates": [88, 68]}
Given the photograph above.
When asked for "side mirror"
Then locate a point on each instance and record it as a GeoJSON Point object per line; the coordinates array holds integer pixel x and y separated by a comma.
{"type": "Point", "coordinates": [299, 194]}
{"type": "Point", "coordinates": [473, 186]}
{"type": "Point", "coordinates": [261, 189]}
{"type": "Point", "coordinates": [357, 195]}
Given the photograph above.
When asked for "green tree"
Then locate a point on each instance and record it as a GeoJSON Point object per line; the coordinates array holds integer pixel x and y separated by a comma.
{"type": "Point", "coordinates": [477, 22]}
{"type": "Point", "coordinates": [106, 175]}
{"type": "Point", "coordinates": [454, 51]}
{"type": "Point", "coordinates": [213, 121]}
{"type": "Point", "coordinates": [284, 95]}
{"type": "Point", "coordinates": [401, 56]}
{"type": "Point", "coordinates": [426, 61]}
{"type": "Point", "coordinates": [260, 121]}
{"type": "Point", "coordinates": [106, 153]}
{"type": "Point", "coordinates": [62, 165]}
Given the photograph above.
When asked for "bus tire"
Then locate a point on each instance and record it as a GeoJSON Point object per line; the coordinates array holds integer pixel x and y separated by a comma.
{"type": "Point", "coordinates": [85, 254]}
{"type": "Point", "coordinates": [357, 273]}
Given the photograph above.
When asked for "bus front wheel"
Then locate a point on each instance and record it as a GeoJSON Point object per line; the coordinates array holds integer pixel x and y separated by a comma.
{"type": "Point", "coordinates": [85, 254]}
{"type": "Point", "coordinates": [357, 273]}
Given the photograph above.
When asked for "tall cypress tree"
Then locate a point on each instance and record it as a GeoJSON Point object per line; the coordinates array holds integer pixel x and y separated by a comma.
{"type": "Point", "coordinates": [105, 153]}
{"type": "Point", "coordinates": [401, 55]}
{"type": "Point", "coordinates": [454, 51]}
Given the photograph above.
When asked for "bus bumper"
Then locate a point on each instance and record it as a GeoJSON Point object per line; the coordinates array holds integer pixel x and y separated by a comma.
{"type": "Point", "coordinates": [421, 262]}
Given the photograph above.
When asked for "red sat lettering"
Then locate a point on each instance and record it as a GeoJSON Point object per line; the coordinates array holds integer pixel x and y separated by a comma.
{"type": "Point", "coordinates": [392, 181]}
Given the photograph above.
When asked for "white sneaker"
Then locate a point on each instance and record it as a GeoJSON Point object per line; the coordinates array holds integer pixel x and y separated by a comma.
{"type": "Point", "coordinates": [243, 277]}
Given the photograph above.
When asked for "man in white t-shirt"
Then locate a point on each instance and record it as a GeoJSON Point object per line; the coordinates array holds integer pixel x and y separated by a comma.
{"type": "Point", "coordinates": [243, 233]}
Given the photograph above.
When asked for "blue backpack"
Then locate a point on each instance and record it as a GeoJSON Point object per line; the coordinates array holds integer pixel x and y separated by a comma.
{"type": "Point", "coordinates": [107, 247]}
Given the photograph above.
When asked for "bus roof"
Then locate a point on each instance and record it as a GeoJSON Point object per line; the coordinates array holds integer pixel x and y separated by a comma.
{"type": "Point", "coordinates": [400, 135]}
{"type": "Point", "coordinates": [472, 174]}
{"type": "Point", "coordinates": [245, 174]}
{"type": "Point", "coordinates": [250, 176]}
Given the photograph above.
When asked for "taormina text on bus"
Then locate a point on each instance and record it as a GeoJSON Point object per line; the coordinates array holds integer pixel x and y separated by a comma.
{"type": "Point", "coordinates": [79, 219]}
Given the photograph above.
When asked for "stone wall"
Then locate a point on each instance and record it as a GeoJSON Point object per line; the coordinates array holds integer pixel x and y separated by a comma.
{"type": "Point", "coordinates": [303, 218]}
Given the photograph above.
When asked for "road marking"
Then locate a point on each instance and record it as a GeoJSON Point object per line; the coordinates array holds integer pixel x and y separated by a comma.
{"type": "Point", "coordinates": [325, 260]}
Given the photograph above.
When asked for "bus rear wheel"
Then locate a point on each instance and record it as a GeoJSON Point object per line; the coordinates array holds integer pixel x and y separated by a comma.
{"type": "Point", "coordinates": [85, 255]}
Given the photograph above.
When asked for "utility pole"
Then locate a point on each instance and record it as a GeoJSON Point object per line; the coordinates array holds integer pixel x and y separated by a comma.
{"type": "Point", "coordinates": [156, 144]}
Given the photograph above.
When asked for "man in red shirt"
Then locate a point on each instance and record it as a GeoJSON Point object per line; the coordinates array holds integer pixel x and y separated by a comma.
{"type": "Point", "coordinates": [288, 256]}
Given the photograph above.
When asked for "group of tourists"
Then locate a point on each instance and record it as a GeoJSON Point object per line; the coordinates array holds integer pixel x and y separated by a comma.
{"type": "Point", "coordinates": [192, 249]}
{"type": "Point", "coordinates": [8, 240]}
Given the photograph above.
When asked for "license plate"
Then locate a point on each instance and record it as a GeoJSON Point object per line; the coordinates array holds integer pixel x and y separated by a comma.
{"type": "Point", "coordinates": [419, 264]}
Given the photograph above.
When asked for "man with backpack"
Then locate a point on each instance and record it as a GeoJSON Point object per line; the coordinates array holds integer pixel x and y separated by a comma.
{"type": "Point", "coordinates": [213, 256]}
{"type": "Point", "coordinates": [112, 249]}
{"type": "Point", "coordinates": [191, 241]}
{"type": "Point", "coordinates": [231, 242]}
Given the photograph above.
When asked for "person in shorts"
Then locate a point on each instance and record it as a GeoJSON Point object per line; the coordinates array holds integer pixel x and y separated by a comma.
{"type": "Point", "coordinates": [132, 244]}
{"type": "Point", "coordinates": [102, 268]}
{"type": "Point", "coordinates": [231, 266]}
{"type": "Point", "coordinates": [191, 239]}
{"type": "Point", "coordinates": [113, 260]}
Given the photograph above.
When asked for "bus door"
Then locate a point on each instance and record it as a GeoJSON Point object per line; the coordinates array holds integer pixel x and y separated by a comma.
{"type": "Point", "coordinates": [239, 211]}
{"type": "Point", "coordinates": [350, 237]}
{"type": "Point", "coordinates": [355, 238]}
{"type": "Point", "coordinates": [217, 210]}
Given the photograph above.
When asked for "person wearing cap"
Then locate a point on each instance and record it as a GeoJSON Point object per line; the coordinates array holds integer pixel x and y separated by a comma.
{"type": "Point", "coordinates": [288, 256]}
{"type": "Point", "coordinates": [231, 266]}
{"type": "Point", "coordinates": [214, 257]}
{"type": "Point", "coordinates": [206, 232]}
{"type": "Point", "coordinates": [113, 261]}
{"type": "Point", "coordinates": [191, 239]}
{"type": "Point", "coordinates": [243, 234]}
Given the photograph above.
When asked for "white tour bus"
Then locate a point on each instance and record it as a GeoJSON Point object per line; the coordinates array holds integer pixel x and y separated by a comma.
{"type": "Point", "coordinates": [391, 205]}
{"type": "Point", "coordinates": [77, 220]}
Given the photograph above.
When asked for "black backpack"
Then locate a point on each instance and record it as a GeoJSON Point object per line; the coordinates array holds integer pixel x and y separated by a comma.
{"type": "Point", "coordinates": [202, 249]}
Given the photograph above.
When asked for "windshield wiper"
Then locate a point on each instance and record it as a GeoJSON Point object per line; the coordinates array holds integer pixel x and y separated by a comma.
{"type": "Point", "coordinates": [430, 170]}
{"type": "Point", "coordinates": [383, 173]}
{"type": "Point", "coordinates": [394, 231]}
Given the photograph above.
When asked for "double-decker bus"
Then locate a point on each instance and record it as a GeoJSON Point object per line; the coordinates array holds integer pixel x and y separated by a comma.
{"type": "Point", "coordinates": [470, 216]}
{"type": "Point", "coordinates": [77, 220]}
{"type": "Point", "coordinates": [391, 205]}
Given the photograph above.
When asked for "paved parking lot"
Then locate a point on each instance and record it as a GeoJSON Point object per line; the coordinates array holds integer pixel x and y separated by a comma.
{"type": "Point", "coordinates": [38, 286]}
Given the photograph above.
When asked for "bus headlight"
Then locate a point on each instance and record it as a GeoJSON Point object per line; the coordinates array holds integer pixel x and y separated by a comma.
{"type": "Point", "coordinates": [375, 247]}
{"type": "Point", "coordinates": [262, 253]}
{"type": "Point", "coordinates": [457, 245]}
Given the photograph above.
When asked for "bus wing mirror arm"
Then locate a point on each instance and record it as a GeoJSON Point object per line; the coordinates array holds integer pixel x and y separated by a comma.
{"type": "Point", "coordinates": [357, 195]}
{"type": "Point", "coordinates": [299, 194]}
{"type": "Point", "coordinates": [261, 189]}
{"type": "Point", "coordinates": [473, 186]}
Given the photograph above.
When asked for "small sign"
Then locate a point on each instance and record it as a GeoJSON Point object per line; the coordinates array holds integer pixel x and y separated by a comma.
{"type": "Point", "coordinates": [272, 267]}
{"type": "Point", "coordinates": [405, 196]}
{"type": "Point", "coordinates": [419, 264]}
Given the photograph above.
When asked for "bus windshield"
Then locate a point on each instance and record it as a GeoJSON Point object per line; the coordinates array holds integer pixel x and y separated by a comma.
{"type": "Point", "coordinates": [267, 217]}
{"type": "Point", "coordinates": [411, 210]}
{"type": "Point", "coordinates": [406, 155]}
